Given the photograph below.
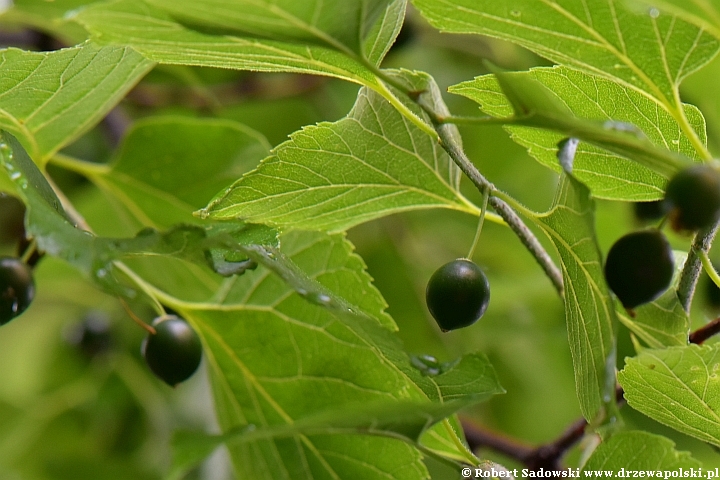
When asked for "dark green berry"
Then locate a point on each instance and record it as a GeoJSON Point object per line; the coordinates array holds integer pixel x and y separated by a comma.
{"type": "Point", "coordinates": [649, 211]}
{"type": "Point", "coordinates": [17, 288]}
{"type": "Point", "coordinates": [93, 335]}
{"type": "Point", "coordinates": [693, 198]}
{"type": "Point", "coordinates": [174, 352]}
{"type": "Point", "coordinates": [639, 267]}
{"type": "Point", "coordinates": [457, 294]}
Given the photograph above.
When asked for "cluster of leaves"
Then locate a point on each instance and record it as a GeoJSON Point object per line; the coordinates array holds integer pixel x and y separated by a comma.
{"type": "Point", "coordinates": [307, 377]}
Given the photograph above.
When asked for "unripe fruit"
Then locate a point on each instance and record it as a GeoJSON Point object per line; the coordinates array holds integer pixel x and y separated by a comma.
{"type": "Point", "coordinates": [649, 211]}
{"type": "Point", "coordinates": [457, 294]}
{"type": "Point", "coordinates": [693, 198]}
{"type": "Point", "coordinates": [639, 267]}
{"type": "Point", "coordinates": [92, 336]}
{"type": "Point", "coordinates": [174, 352]}
{"type": "Point", "coordinates": [17, 288]}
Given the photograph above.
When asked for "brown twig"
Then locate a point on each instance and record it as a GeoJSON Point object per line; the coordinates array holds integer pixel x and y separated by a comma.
{"type": "Point", "coordinates": [549, 456]}
{"type": "Point", "coordinates": [706, 331]}
{"type": "Point", "coordinates": [148, 328]}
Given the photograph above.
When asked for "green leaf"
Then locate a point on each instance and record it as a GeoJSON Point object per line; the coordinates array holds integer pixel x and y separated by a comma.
{"type": "Point", "coordinates": [704, 14]}
{"type": "Point", "coordinates": [291, 21]}
{"type": "Point", "coordinates": [639, 451]}
{"type": "Point", "coordinates": [168, 167]}
{"type": "Point", "coordinates": [677, 386]}
{"type": "Point", "coordinates": [325, 359]}
{"type": "Point", "coordinates": [47, 17]}
{"type": "Point", "coordinates": [336, 175]}
{"type": "Point", "coordinates": [646, 53]}
{"type": "Point", "coordinates": [285, 36]}
{"type": "Point", "coordinates": [56, 234]}
{"type": "Point", "coordinates": [648, 143]}
{"type": "Point", "coordinates": [49, 99]}
{"type": "Point", "coordinates": [400, 420]}
{"type": "Point", "coordinates": [589, 310]}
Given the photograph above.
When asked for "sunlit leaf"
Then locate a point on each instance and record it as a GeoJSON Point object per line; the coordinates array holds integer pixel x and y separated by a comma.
{"type": "Point", "coordinates": [325, 358]}
{"type": "Point", "coordinates": [47, 17]}
{"type": "Point", "coordinates": [332, 176]}
{"type": "Point", "coordinates": [703, 13]}
{"type": "Point", "coordinates": [300, 37]}
{"type": "Point", "coordinates": [647, 53]}
{"type": "Point", "coordinates": [677, 386]}
{"type": "Point", "coordinates": [625, 132]}
{"type": "Point", "coordinates": [639, 451]}
{"type": "Point", "coordinates": [47, 100]}
{"type": "Point", "coordinates": [589, 310]}
{"type": "Point", "coordinates": [56, 233]}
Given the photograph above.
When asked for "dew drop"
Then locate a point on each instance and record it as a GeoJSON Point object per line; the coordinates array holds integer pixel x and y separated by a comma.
{"type": "Point", "coordinates": [515, 13]}
{"type": "Point", "coordinates": [323, 299]}
{"type": "Point", "coordinates": [654, 12]}
{"type": "Point", "coordinates": [675, 142]}
{"type": "Point", "coordinates": [15, 175]}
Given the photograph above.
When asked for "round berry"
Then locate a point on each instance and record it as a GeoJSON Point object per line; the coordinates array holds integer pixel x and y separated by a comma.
{"type": "Point", "coordinates": [457, 294]}
{"type": "Point", "coordinates": [93, 335]}
{"type": "Point", "coordinates": [649, 211]}
{"type": "Point", "coordinates": [639, 267]}
{"type": "Point", "coordinates": [174, 352]}
{"type": "Point", "coordinates": [17, 288]}
{"type": "Point", "coordinates": [693, 198]}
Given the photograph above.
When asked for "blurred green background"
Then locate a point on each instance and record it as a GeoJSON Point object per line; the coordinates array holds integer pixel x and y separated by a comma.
{"type": "Point", "coordinates": [73, 409]}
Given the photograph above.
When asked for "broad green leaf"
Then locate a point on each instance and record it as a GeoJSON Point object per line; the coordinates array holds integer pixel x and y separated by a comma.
{"type": "Point", "coordinates": [650, 54]}
{"type": "Point", "coordinates": [168, 167]}
{"type": "Point", "coordinates": [310, 22]}
{"type": "Point", "coordinates": [47, 17]}
{"type": "Point", "coordinates": [616, 161]}
{"type": "Point", "coordinates": [589, 310]}
{"type": "Point", "coordinates": [639, 451]}
{"type": "Point", "coordinates": [331, 38]}
{"type": "Point", "coordinates": [662, 322]}
{"type": "Point", "coordinates": [677, 386]}
{"type": "Point", "coordinates": [703, 13]}
{"type": "Point", "coordinates": [331, 176]}
{"type": "Point", "coordinates": [56, 234]}
{"type": "Point", "coordinates": [278, 360]}
{"type": "Point", "coordinates": [400, 420]}
{"type": "Point", "coordinates": [49, 99]}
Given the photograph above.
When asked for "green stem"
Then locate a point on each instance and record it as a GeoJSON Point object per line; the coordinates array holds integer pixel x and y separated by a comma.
{"type": "Point", "coordinates": [470, 120]}
{"type": "Point", "coordinates": [476, 240]}
{"type": "Point", "coordinates": [469, 456]}
{"type": "Point", "coordinates": [29, 251]}
{"type": "Point", "coordinates": [448, 137]}
{"type": "Point", "coordinates": [149, 290]}
{"type": "Point", "coordinates": [526, 236]}
{"type": "Point", "coordinates": [87, 169]}
{"type": "Point", "coordinates": [681, 118]}
{"type": "Point", "coordinates": [383, 90]}
{"type": "Point", "coordinates": [709, 268]}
